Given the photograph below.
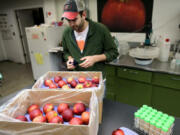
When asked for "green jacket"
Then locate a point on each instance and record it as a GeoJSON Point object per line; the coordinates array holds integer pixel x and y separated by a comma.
{"type": "Point", "coordinates": [99, 41]}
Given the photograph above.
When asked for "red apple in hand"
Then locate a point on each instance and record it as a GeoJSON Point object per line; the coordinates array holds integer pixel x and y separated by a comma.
{"type": "Point", "coordinates": [22, 118]}
{"type": "Point", "coordinates": [35, 113]}
{"type": "Point", "coordinates": [76, 121]}
{"type": "Point", "coordinates": [95, 79]}
{"type": "Point", "coordinates": [81, 79]}
{"type": "Point", "coordinates": [57, 79]}
{"type": "Point", "coordinates": [61, 83]}
{"type": "Point", "coordinates": [50, 115]}
{"type": "Point", "coordinates": [62, 107]}
{"type": "Point", "coordinates": [79, 108]}
{"type": "Point", "coordinates": [32, 107]}
{"type": "Point", "coordinates": [47, 82]}
{"type": "Point", "coordinates": [56, 119]}
{"type": "Point", "coordinates": [39, 119]}
{"type": "Point", "coordinates": [85, 117]}
{"type": "Point", "coordinates": [67, 115]}
{"type": "Point", "coordinates": [87, 84]}
{"type": "Point", "coordinates": [118, 132]}
{"type": "Point", "coordinates": [73, 83]}
{"type": "Point", "coordinates": [48, 107]}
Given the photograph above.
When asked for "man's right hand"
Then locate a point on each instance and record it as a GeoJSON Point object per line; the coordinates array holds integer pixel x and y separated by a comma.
{"type": "Point", "coordinates": [69, 63]}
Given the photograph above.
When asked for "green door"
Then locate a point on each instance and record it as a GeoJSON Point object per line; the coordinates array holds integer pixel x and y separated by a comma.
{"type": "Point", "coordinates": [133, 92]}
{"type": "Point", "coordinates": [166, 100]}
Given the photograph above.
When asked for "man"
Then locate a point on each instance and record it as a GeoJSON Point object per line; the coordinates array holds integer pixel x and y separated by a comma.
{"type": "Point", "coordinates": [87, 44]}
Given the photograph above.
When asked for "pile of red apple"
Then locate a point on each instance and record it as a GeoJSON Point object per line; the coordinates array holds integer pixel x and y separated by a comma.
{"type": "Point", "coordinates": [70, 82]}
{"type": "Point", "coordinates": [63, 114]}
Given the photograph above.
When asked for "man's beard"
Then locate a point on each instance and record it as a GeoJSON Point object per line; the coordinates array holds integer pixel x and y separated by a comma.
{"type": "Point", "coordinates": [79, 28]}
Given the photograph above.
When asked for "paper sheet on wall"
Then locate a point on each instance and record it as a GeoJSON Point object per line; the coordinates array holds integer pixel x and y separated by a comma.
{"type": "Point", "coordinates": [39, 58]}
{"type": "Point", "coordinates": [7, 34]}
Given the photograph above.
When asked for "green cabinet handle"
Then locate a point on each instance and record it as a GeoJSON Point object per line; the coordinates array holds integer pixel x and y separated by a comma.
{"type": "Point", "coordinates": [133, 72]}
{"type": "Point", "coordinates": [177, 79]}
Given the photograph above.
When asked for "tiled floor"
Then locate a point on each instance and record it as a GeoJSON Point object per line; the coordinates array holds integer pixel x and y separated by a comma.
{"type": "Point", "coordinates": [15, 77]}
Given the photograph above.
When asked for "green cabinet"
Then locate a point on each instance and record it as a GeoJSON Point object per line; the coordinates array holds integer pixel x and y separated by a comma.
{"type": "Point", "coordinates": [134, 74]}
{"type": "Point", "coordinates": [133, 92]}
{"type": "Point", "coordinates": [167, 100]}
{"type": "Point", "coordinates": [166, 93]}
{"type": "Point", "coordinates": [133, 86]}
{"type": "Point", "coordinates": [137, 87]}
{"type": "Point", "coordinates": [128, 86]}
{"type": "Point", "coordinates": [166, 80]}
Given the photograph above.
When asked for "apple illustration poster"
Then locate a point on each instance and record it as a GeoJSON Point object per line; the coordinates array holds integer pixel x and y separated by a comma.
{"type": "Point", "coordinates": [126, 15]}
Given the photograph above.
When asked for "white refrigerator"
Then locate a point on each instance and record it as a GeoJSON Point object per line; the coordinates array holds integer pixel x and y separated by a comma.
{"type": "Point", "coordinates": [41, 39]}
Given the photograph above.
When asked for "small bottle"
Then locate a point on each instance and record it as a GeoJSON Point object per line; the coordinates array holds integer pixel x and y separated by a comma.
{"type": "Point", "coordinates": [164, 130]}
{"type": "Point", "coordinates": [168, 125]}
{"type": "Point", "coordinates": [164, 50]}
{"type": "Point", "coordinates": [158, 126]}
{"type": "Point", "coordinates": [136, 119]}
{"type": "Point", "coordinates": [153, 112]}
{"type": "Point", "coordinates": [173, 64]}
{"type": "Point", "coordinates": [160, 113]}
{"type": "Point", "coordinates": [152, 126]}
{"type": "Point", "coordinates": [145, 106]}
{"type": "Point", "coordinates": [170, 121]}
{"type": "Point", "coordinates": [147, 124]}
{"type": "Point", "coordinates": [165, 115]}
{"type": "Point", "coordinates": [141, 121]}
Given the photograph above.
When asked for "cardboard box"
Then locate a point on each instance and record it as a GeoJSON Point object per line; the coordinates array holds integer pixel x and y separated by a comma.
{"type": "Point", "coordinates": [66, 74]}
{"type": "Point", "coordinates": [19, 104]}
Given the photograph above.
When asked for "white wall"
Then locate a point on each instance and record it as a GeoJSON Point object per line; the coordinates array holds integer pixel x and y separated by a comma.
{"type": "Point", "coordinates": [50, 14]}
{"type": "Point", "coordinates": [166, 18]}
{"type": "Point", "coordinates": [59, 8]}
{"type": "Point", "coordinates": [13, 47]}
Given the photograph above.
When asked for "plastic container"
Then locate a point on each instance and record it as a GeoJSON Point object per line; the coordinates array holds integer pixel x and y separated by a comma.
{"type": "Point", "coordinates": [177, 56]}
{"type": "Point", "coordinates": [158, 126]}
{"type": "Point", "coordinates": [152, 127]}
{"type": "Point", "coordinates": [173, 64]}
{"type": "Point", "coordinates": [128, 131]}
{"type": "Point", "coordinates": [153, 122]}
{"type": "Point", "coordinates": [169, 126]}
{"type": "Point", "coordinates": [164, 46]}
{"type": "Point", "coordinates": [137, 119]}
{"type": "Point", "coordinates": [124, 47]}
{"type": "Point", "coordinates": [147, 124]}
{"type": "Point", "coordinates": [142, 122]}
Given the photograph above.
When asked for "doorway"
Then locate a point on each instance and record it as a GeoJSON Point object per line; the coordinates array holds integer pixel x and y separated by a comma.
{"type": "Point", "coordinates": [28, 18]}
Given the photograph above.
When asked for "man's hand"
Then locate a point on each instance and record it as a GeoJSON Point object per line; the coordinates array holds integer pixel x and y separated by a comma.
{"type": "Point", "coordinates": [69, 63]}
{"type": "Point", "coordinates": [88, 61]}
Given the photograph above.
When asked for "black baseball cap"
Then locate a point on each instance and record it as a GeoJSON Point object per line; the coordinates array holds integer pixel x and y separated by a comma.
{"type": "Point", "coordinates": [72, 8]}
